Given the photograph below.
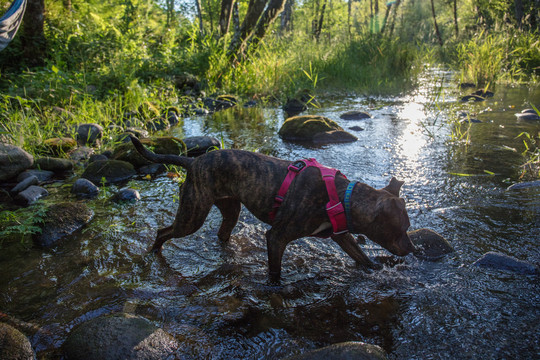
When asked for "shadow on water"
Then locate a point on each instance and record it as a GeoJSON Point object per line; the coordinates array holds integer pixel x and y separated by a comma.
{"type": "Point", "coordinates": [214, 297]}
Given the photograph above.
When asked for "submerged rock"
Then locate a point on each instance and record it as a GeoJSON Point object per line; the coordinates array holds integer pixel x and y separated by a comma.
{"type": "Point", "coordinates": [119, 337]}
{"type": "Point", "coordinates": [351, 350]}
{"type": "Point", "coordinates": [429, 244]}
{"type": "Point", "coordinates": [125, 195]}
{"type": "Point", "coordinates": [13, 161]}
{"type": "Point", "coordinates": [528, 114]}
{"type": "Point", "coordinates": [500, 261]}
{"type": "Point", "coordinates": [14, 345]}
{"type": "Point", "coordinates": [108, 171]}
{"type": "Point", "coordinates": [472, 97]}
{"type": "Point", "coordinates": [524, 185]}
{"type": "Point", "coordinates": [62, 220]}
{"type": "Point", "coordinates": [355, 115]}
{"type": "Point", "coordinates": [42, 175]}
{"type": "Point", "coordinates": [317, 129]}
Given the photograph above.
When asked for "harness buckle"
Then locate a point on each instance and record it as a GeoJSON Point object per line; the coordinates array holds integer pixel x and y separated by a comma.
{"type": "Point", "coordinates": [297, 166]}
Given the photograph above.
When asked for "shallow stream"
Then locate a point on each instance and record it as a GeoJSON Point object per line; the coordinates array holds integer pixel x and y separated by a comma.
{"type": "Point", "coordinates": [213, 297]}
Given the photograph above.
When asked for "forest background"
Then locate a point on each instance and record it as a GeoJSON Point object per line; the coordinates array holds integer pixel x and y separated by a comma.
{"type": "Point", "coordinates": [101, 59]}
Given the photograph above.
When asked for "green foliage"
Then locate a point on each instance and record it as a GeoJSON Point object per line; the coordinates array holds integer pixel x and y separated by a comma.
{"type": "Point", "coordinates": [490, 58]}
{"type": "Point", "coordinates": [21, 223]}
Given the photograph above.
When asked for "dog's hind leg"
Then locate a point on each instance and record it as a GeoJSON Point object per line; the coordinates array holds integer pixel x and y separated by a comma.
{"type": "Point", "coordinates": [230, 211]}
{"type": "Point", "coordinates": [192, 212]}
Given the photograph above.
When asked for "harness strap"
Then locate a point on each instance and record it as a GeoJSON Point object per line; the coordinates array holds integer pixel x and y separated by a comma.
{"type": "Point", "coordinates": [334, 208]}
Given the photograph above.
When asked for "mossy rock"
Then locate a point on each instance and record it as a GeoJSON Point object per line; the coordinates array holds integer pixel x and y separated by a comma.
{"type": "Point", "coordinates": [59, 145]}
{"type": "Point", "coordinates": [53, 164]}
{"type": "Point", "coordinates": [314, 128]}
{"type": "Point", "coordinates": [14, 345]}
{"type": "Point", "coordinates": [111, 171]}
{"type": "Point", "coordinates": [166, 145]}
{"type": "Point", "coordinates": [127, 152]}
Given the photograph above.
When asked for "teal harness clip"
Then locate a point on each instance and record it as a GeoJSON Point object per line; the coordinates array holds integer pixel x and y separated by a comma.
{"type": "Point", "coordinates": [347, 204]}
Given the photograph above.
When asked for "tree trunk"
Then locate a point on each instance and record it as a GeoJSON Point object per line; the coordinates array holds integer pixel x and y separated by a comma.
{"type": "Point", "coordinates": [437, 32]}
{"type": "Point", "coordinates": [349, 7]}
{"type": "Point", "coordinates": [388, 7]}
{"type": "Point", "coordinates": [274, 8]}
{"type": "Point", "coordinates": [33, 36]}
{"type": "Point", "coordinates": [519, 12]}
{"type": "Point", "coordinates": [456, 28]}
{"type": "Point", "coordinates": [394, 17]}
{"type": "Point", "coordinates": [254, 11]}
{"type": "Point", "coordinates": [199, 16]}
{"type": "Point", "coordinates": [236, 18]}
{"type": "Point", "coordinates": [286, 17]}
{"type": "Point", "coordinates": [225, 16]}
{"type": "Point", "coordinates": [320, 22]}
{"type": "Point", "coordinates": [67, 5]}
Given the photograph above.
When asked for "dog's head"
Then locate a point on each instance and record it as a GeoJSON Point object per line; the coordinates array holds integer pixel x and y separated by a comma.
{"type": "Point", "coordinates": [384, 219]}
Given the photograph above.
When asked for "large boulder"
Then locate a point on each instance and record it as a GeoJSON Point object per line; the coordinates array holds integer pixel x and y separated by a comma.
{"type": "Point", "coordinates": [499, 261]}
{"type": "Point", "coordinates": [61, 220]}
{"type": "Point", "coordinates": [351, 350]}
{"type": "Point", "coordinates": [13, 161]}
{"type": "Point", "coordinates": [314, 128]}
{"type": "Point", "coordinates": [108, 171]}
{"type": "Point", "coordinates": [119, 337]}
{"type": "Point", "coordinates": [14, 345]}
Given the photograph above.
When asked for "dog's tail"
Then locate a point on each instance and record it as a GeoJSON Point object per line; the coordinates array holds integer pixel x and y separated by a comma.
{"type": "Point", "coordinates": [182, 161]}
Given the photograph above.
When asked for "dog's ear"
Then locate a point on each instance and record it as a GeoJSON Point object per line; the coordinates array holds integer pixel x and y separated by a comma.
{"type": "Point", "coordinates": [394, 186]}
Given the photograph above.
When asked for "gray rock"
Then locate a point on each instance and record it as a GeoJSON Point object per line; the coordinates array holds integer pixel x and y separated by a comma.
{"type": "Point", "coordinates": [109, 171]}
{"type": "Point", "coordinates": [23, 185]}
{"type": "Point", "coordinates": [198, 145]}
{"type": "Point", "coordinates": [499, 261]}
{"type": "Point", "coordinates": [53, 164]}
{"type": "Point", "coordinates": [125, 195]}
{"type": "Point", "coordinates": [314, 128]}
{"type": "Point", "coordinates": [119, 337]}
{"type": "Point", "coordinates": [524, 185]}
{"type": "Point", "coordinates": [89, 134]}
{"type": "Point", "coordinates": [84, 188]}
{"type": "Point", "coordinates": [61, 220]}
{"type": "Point", "coordinates": [13, 161]}
{"type": "Point", "coordinates": [14, 345]}
{"type": "Point", "coordinates": [429, 244]}
{"type": "Point", "coordinates": [352, 350]}
{"type": "Point", "coordinates": [30, 195]}
{"type": "Point", "coordinates": [42, 175]}
{"type": "Point", "coordinates": [355, 115]}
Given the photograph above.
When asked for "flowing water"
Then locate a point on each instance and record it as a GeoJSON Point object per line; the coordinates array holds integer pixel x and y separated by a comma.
{"type": "Point", "coordinates": [213, 297]}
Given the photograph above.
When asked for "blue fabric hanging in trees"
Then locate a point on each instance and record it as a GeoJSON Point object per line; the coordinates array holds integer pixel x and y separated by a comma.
{"type": "Point", "coordinates": [10, 22]}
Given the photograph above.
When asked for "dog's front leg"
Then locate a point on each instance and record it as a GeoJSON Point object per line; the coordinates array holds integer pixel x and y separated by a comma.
{"type": "Point", "coordinates": [350, 246]}
{"type": "Point", "coordinates": [276, 247]}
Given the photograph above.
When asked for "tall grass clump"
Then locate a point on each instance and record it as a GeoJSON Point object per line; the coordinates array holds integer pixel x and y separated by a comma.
{"type": "Point", "coordinates": [498, 57]}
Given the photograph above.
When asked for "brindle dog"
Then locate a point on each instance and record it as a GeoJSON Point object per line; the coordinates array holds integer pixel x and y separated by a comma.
{"type": "Point", "coordinates": [228, 178]}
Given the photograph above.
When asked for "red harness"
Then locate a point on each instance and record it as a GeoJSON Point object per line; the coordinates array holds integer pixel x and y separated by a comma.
{"type": "Point", "coordinates": [334, 208]}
